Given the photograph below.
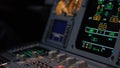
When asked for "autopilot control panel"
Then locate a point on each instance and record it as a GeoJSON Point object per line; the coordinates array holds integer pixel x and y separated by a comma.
{"type": "Point", "coordinates": [78, 34]}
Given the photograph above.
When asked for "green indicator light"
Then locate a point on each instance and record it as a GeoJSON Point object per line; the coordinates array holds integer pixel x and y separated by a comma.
{"type": "Point", "coordinates": [100, 2]}
{"type": "Point", "coordinates": [94, 39]}
{"type": "Point", "coordinates": [101, 10]}
{"type": "Point", "coordinates": [89, 35]}
{"type": "Point", "coordinates": [110, 39]}
{"type": "Point", "coordinates": [109, 6]}
{"type": "Point", "coordinates": [91, 30]}
{"type": "Point", "coordinates": [95, 49]}
{"type": "Point", "coordinates": [112, 34]}
{"type": "Point", "coordinates": [97, 13]}
{"type": "Point", "coordinates": [106, 13]}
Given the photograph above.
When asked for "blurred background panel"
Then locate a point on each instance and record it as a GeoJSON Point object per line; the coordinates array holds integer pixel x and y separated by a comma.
{"type": "Point", "coordinates": [22, 22]}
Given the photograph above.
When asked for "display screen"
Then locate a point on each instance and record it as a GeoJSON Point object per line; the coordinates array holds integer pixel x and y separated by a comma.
{"type": "Point", "coordinates": [58, 30]}
{"type": "Point", "coordinates": [100, 27]}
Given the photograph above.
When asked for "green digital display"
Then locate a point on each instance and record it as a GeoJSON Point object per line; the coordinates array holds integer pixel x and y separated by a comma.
{"type": "Point", "coordinates": [100, 27]}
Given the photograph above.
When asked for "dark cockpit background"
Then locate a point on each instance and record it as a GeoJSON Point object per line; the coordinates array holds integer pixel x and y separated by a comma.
{"type": "Point", "coordinates": [22, 22]}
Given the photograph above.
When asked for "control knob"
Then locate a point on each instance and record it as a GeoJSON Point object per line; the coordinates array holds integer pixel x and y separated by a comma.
{"type": "Point", "coordinates": [52, 54]}
{"type": "Point", "coordinates": [70, 61]}
{"type": "Point", "coordinates": [81, 64]}
{"type": "Point", "coordinates": [61, 57]}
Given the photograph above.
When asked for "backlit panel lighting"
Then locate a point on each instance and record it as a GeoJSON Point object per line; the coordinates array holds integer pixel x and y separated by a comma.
{"type": "Point", "coordinates": [68, 7]}
{"type": "Point", "coordinates": [100, 27]}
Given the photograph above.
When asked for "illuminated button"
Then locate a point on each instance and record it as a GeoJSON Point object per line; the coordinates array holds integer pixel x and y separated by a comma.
{"type": "Point", "coordinates": [106, 13]}
{"type": "Point", "coordinates": [97, 17]}
{"type": "Point", "coordinates": [102, 26]}
{"type": "Point", "coordinates": [94, 39]}
{"type": "Point", "coordinates": [89, 35]}
{"type": "Point", "coordinates": [70, 60]}
{"type": "Point", "coordinates": [81, 64]}
{"type": "Point", "coordinates": [114, 19]}
{"type": "Point", "coordinates": [100, 32]}
{"type": "Point", "coordinates": [52, 54]}
{"type": "Point", "coordinates": [109, 6]}
{"type": "Point", "coordinates": [110, 39]}
{"type": "Point", "coordinates": [86, 45]}
{"type": "Point", "coordinates": [61, 57]}
{"type": "Point", "coordinates": [91, 30]}
{"type": "Point", "coordinates": [100, 2]}
{"type": "Point", "coordinates": [111, 34]}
